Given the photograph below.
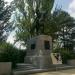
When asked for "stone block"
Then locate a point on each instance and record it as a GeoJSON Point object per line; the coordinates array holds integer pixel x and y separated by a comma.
{"type": "Point", "coordinates": [5, 68]}
{"type": "Point", "coordinates": [71, 62]}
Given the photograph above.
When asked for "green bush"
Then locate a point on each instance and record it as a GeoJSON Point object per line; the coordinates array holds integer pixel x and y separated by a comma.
{"type": "Point", "coordinates": [9, 53]}
{"type": "Point", "coordinates": [65, 54]}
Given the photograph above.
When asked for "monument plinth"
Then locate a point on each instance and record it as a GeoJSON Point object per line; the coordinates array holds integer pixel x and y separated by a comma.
{"type": "Point", "coordinates": [39, 51]}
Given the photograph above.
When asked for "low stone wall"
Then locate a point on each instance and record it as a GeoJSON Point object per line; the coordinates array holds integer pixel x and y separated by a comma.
{"type": "Point", "coordinates": [5, 68]}
{"type": "Point", "coordinates": [71, 62]}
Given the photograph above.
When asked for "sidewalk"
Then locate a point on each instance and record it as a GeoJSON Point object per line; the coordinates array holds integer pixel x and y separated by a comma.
{"type": "Point", "coordinates": [61, 72]}
{"type": "Point", "coordinates": [53, 71]}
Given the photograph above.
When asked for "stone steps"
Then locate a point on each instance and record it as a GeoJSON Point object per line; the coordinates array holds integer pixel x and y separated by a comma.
{"type": "Point", "coordinates": [32, 71]}
{"type": "Point", "coordinates": [23, 66]}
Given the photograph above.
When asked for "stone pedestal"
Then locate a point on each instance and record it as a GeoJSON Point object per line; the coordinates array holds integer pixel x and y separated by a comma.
{"type": "Point", "coordinates": [71, 62]}
{"type": "Point", "coordinates": [38, 51]}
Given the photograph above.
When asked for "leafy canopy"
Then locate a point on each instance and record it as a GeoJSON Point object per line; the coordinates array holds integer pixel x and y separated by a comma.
{"type": "Point", "coordinates": [5, 13]}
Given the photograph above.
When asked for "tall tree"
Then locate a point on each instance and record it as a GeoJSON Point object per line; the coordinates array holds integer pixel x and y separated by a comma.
{"type": "Point", "coordinates": [33, 12]}
{"type": "Point", "coordinates": [5, 13]}
{"type": "Point", "coordinates": [65, 23]}
{"type": "Point", "coordinates": [36, 18]}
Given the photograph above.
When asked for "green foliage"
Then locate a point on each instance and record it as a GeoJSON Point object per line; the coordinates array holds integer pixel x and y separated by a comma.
{"type": "Point", "coordinates": [21, 56]}
{"type": "Point", "coordinates": [30, 23]}
{"type": "Point", "coordinates": [65, 54]}
{"type": "Point", "coordinates": [35, 18]}
{"type": "Point", "coordinates": [5, 13]}
{"type": "Point", "coordinates": [9, 53]}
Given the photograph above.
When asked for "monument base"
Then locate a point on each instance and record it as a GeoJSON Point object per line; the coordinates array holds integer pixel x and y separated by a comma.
{"type": "Point", "coordinates": [39, 50]}
{"type": "Point", "coordinates": [43, 61]}
{"type": "Point", "coordinates": [38, 61]}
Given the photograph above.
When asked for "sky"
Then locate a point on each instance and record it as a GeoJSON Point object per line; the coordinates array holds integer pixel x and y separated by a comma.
{"type": "Point", "coordinates": [67, 5]}
{"type": "Point", "coordinates": [9, 0]}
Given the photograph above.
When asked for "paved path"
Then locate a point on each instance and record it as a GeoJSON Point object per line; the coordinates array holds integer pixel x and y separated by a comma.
{"type": "Point", "coordinates": [62, 72]}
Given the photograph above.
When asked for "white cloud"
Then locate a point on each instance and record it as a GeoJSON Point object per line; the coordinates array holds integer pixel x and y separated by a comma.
{"type": "Point", "coordinates": [71, 8]}
{"type": "Point", "coordinates": [11, 37]}
{"type": "Point", "coordinates": [8, 1]}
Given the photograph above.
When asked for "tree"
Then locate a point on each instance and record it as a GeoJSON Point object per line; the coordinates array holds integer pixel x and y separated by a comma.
{"type": "Point", "coordinates": [62, 24]}
{"type": "Point", "coordinates": [29, 23]}
{"type": "Point", "coordinates": [37, 19]}
{"type": "Point", "coordinates": [5, 13]}
{"type": "Point", "coordinates": [67, 24]}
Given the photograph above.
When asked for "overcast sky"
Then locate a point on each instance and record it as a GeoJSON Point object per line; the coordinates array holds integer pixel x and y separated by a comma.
{"type": "Point", "coordinates": [9, 0]}
{"type": "Point", "coordinates": [67, 5]}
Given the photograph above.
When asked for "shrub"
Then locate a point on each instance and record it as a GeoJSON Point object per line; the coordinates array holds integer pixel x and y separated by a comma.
{"type": "Point", "coordinates": [9, 53]}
